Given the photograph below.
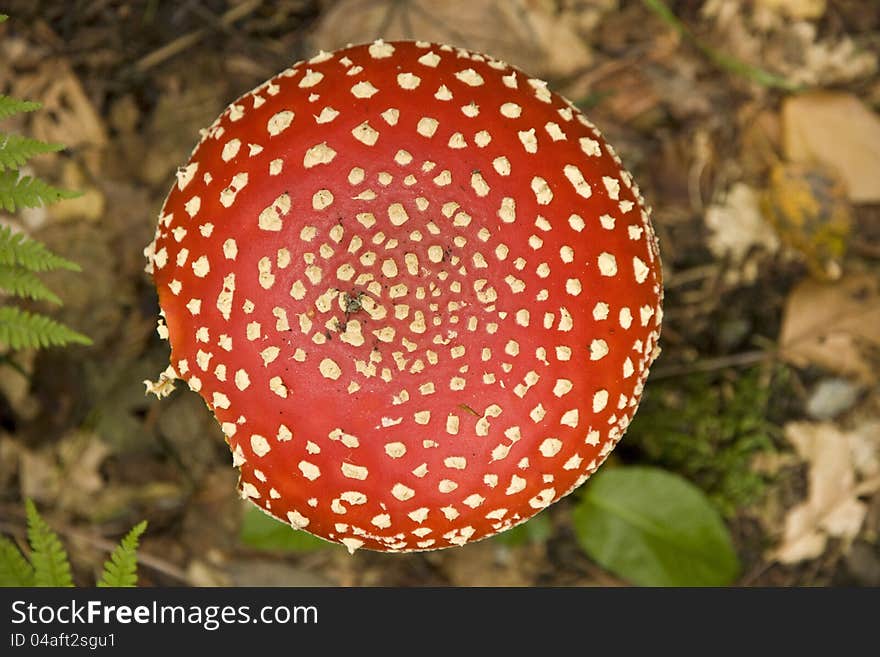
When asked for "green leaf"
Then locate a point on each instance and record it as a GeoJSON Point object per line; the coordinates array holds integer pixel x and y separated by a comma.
{"type": "Point", "coordinates": [28, 192]}
{"type": "Point", "coordinates": [14, 568]}
{"type": "Point", "coordinates": [121, 568]}
{"type": "Point", "coordinates": [23, 283]}
{"type": "Point", "coordinates": [15, 150]}
{"type": "Point", "coordinates": [11, 106]}
{"type": "Point", "coordinates": [20, 330]}
{"type": "Point", "coordinates": [17, 249]}
{"type": "Point", "coordinates": [261, 531]}
{"type": "Point", "coordinates": [654, 528]}
{"type": "Point", "coordinates": [48, 556]}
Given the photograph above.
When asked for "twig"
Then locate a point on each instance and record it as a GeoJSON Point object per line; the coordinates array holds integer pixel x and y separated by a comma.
{"type": "Point", "coordinates": [691, 275]}
{"type": "Point", "coordinates": [710, 364]}
{"type": "Point", "coordinates": [186, 41]}
{"type": "Point", "coordinates": [156, 563]}
{"type": "Point", "coordinates": [864, 248]}
{"type": "Point", "coordinates": [751, 578]}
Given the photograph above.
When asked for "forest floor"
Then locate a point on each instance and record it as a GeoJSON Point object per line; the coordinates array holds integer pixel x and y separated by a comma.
{"type": "Point", "coordinates": [752, 128]}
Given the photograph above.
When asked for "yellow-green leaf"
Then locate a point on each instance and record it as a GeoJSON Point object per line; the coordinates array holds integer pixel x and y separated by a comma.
{"type": "Point", "coordinates": [120, 570]}
{"type": "Point", "coordinates": [14, 568]}
{"type": "Point", "coordinates": [48, 556]}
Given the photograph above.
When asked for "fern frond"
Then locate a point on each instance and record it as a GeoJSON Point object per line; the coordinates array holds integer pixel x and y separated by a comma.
{"type": "Point", "coordinates": [17, 249]}
{"type": "Point", "coordinates": [14, 568]}
{"type": "Point", "coordinates": [28, 192]}
{"type": "Point", "coordinates": [15, 150]}
{"type": "Point", "coordinates": [48, 556]}
{"type": "Point", "coordinates": [11, 106]}
{"type": "Point", "coordinates": [121, 568]}
{"type": "Point", "coordinates": [20, 329]}
{"type": "Point", "coordinates": [20, 282]}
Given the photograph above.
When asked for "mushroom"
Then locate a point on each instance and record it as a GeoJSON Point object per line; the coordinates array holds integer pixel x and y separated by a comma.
{"type": "Point", "coordinates": [417, 290]}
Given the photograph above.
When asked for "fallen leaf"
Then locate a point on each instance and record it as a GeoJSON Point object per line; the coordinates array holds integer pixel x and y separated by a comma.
{"type": "Point", "coordinates": [38, 476]}
{"type": "Point", "coordinates": [832, 507]}
{"type": "Point", "coordinates": [80, 457]}
{"type": "Point", "coordinates": [65, 474]}
{"type": "Point", "coordinates": [834, 325]}
{"type": "Point", "coordinates": [68, 115]}
{"type": "Point", "coordinates": [864, 443]}
{"type": "Point", "coordinates": [737, 226]}
{"type": "Point", "coordinates": [526, 33]}
{"type": "Point", "coordinates": [807, 206]}
{"type": "Point", "coordinates": [839, 131]}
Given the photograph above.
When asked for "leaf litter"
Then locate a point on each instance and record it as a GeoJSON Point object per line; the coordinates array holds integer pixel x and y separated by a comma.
{"type": "Point", "coordinates": [741, 230]}
{"type": "Point", "coordinates": [833, 508]}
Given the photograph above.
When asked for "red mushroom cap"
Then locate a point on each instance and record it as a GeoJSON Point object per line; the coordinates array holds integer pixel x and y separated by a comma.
{"type": "Point", "coordinates": [417, 290]}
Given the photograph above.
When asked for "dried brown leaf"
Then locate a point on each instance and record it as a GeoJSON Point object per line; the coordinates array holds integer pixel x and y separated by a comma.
{"type": "Point", "coordinates": [65, 474]}
{"type": "Point", "coordinates": [832, 508]}
{"type": "Point", "coordinates": [834, 325]}
{"type": "Point", "coordinates": [39, 476]}
{"type": "Point", "coordinates": [80, 458]}
{"type": "Point", "coordinates": [68, 115]}
{"type": "Point", "coordinates": [839, 131]}
{"type": "Point", "coordinates": [864, 442]}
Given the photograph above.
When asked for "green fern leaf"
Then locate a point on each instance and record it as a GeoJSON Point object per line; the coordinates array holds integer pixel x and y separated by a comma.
{"type": "Point", "coordinates": [48, 556]}
{"type": "Point", "coordinates": [16, 249]}
{"type": "Point", "coordinates": [21, 330]}
{"type": "Point", "coordinates": [23, 283]}
{"type": "Point", "coordinates": [121, 568]}
{"type": "Point", "coordinates": [15, 150]}
{"type": "Point", "coordinates": [28, 192]}
{"type": "Point", "coordinates": [14, 568]}
{"type": "Point", "coordinates": [11, 106]}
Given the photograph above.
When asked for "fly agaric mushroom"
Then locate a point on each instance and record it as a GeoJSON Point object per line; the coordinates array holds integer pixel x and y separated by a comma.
{"type": "Point", "coordinates": [417, 290]}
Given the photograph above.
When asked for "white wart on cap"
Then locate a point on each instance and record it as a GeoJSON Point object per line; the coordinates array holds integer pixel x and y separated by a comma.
{"type": "Point", "coordinates": [417, 290]}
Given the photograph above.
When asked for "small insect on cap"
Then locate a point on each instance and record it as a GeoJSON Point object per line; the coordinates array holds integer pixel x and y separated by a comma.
{"type": "Point", "coordinates": [417, 290]}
